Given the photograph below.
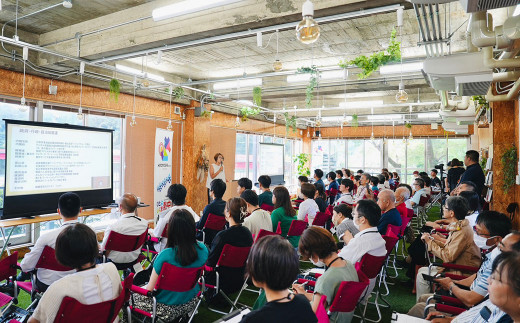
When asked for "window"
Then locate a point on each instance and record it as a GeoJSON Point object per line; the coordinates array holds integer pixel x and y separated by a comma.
{"type": "Point", "coordinates": [58, 116]}
{"type": "Point", "coordinates": [415, 158]}
{"type": "Point", "coordinates": [254, 143]}
{"type": "Point", "coordinates": [337, 155]}
{"type": "Point", "coordinates": [373, 156]}
{"type": "Point", "coordinates": [355, 155]}
{"type": "Point", "coordinates": [240, 156]}
{"type": "Point", "coordinates": [397, 157]}
{"type": "Point", "coordinates": [457, 148]}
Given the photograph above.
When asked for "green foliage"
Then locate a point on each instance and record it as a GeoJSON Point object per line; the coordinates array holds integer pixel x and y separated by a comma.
{"type": "Point", "coordinates": [257, 96]}
{"type": "Point", "coordinates": [483, 162]}
{"type": "Point", "coordinates": [480, 103]}
{"type": "Point", "coordinates": [509, 160]}
{"type": "Point", "coordinates": [114, 89]}
{"type": "Point", "coordinates": [408, 125]}
{"type": "Point", "coordinates": [371, 64]}
{"type": "Point", "coordinates": [302, 160]}
{"type": "Point", "coordinates": [178, 92]}
{"type": "Point", "coordinates": [206, 114]}
{"type": "Point", "coordinates": [290, 122]}
{"type": "Point", "coordinates": [247, 112]}
{"type": "Point", "coordinates": [313, 82]}
{"type": "Point", "coordinates": [355, 123]}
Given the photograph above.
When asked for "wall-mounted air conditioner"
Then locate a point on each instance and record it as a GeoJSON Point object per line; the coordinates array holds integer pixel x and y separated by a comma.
{"type": "Point", "coordinates": [483, 5]}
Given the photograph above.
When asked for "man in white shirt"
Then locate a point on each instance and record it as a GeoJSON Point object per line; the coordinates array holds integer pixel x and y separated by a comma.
{"type": "Point", "coordinates": [128, 224]}
{"type": "Point", "coordinates": [69, 207]}
{"type": "Point", "coordinates": [362, 188]}
{"type": "Point", "coordinates": [258, 219]}
{"type": "Point", "coordinates": [346, 188]}
{"type": "Point", "coordinates": [418, 186]}
{"type": "Point", "coordinates": [177, 194]}
{"type": "Point", "coordinates": [308, 208]}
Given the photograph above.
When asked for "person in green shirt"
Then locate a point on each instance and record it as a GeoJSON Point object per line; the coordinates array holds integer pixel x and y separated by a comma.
{"type": "Point", "coordinates": [283, 213]}
{"type": "Point", "coordinates": [266, 197]}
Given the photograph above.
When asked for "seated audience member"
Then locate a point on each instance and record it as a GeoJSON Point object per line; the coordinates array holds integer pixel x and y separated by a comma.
{"type": "Point", "coordinates": [283, 213]}
{"type": "Point", "coordinates": [386, 176]}
{"type": "Point", "coordinates": [389, 214]}
{"type": "Point", "coordinates": [408, 202]}
{"type": "Point", "coordinates": [401, 196]}
{"type": "Point", "coordinates": [416, 174]}
{"type": "Point", "coordinates": [177, 194]}
{"type": "Point", "coordinates": [360, 172]}
{"type": "Point", "coordinates": [436, 182]}
{"type": "Point", "coordinates": [493, 230]}
{"type": "Point", "coordinates": [258, 219]}
{"type": "Point", "coordinates": [343, 220]}
{"type": "Point", "coordinates": [320, 197]}
{"type": "Point", "coordinates": [244, 184]}
{"type": "Point", "coordinates": [318, 245]}
{"type": "Point", "coordinates": [459, 248]}
{"type": "Point", "coordinates": [381, 179]}
{"type": "Point", "coordinates": [374, 182]}
{"type": "Point", "coordinates": [237, 235]}
{"type": "Point", "coordinates": [77, 247]}
{"type": "Point", "coordinates": [339, 176]}
{"type": "Point", "coordinates": [368, 240]}
{"type": "Point", "coordinates": [504, 295]}
{"type": "Point", "coordinates": [217, 206]}
{"type": "Point", "coordinates": [331, 178]}
{"type": "Point", "coordinates": [347, 173]}
{"type": "Point", "coordinates": [273, 265]}
{"type": "Point", "coordinates": [346, 188]}
{"type": "Point", "coordinates": [318, 174]}
{"type": "Point", "coordinates": [301, 180]}
{"type": "Point", "coordinates": [266, 197]}
{"type": "Point", "coordinates": [396, 177]}
{"type": "Point", "coordinates": [69, 207]}
{"type": "Point", "coordinates": [184, 251]}
{"type": "Point", "coordinates": [129, 224]}
{"type": "Point", "coordinates": [464, 186]}
{"type": "Point", "coordinates": [427, 183]}
{"type": "Point", "coordinates": [308, 208]}
{"type": "Point", "coordinates": [474, 206]}
{"type": "Point", "coordinates": [418, 184]}
{"type": "Point", "coordinates": [362, 189]}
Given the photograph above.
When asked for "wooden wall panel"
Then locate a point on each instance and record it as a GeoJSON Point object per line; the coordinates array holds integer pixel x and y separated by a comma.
{"type": "Point", "coordinates": [223, 140]}
{"type": "Point", "coordinates": [387, 131]}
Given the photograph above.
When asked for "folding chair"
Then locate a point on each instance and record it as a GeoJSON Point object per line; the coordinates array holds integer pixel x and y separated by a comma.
{"type": "Point", "coordinates": [267, 207]}
{"type": "Point", "coordinates": [450, 309]}
{"type": "Point", "coordinates": [164, 234]}
{"type": "Point", "coordinates": [71, 310]}
{"type": "Point", "coordinates": [214, 223]}
{"type": "Point", "coordinates": [372, 267]}
{"type": "Point", "coordinates": [125, 243]}
{"type": "Point", "coordinates": [173, 279]}
{"type": "Point", "coordinates": [321, 312]}
{"type": "Point", "coordinates": [47, 261]}
{"type": "Point", "coordinates": [320, 219]}
{"type": "Point", "coordinates": [8, 273]}
{"type": "Point", "coordinates": [349, 294]}
{"type": "Point", "coordinates": [231, 257]}
{"type": "Point", "coordinates": [263, 233]}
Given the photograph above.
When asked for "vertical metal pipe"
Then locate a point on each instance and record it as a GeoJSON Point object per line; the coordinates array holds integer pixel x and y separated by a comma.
{"type": "Point", "coordinates": [427, 26]}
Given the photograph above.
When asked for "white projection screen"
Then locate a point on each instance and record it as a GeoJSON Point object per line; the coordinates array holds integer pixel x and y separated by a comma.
{"type": "Point", "coordinates": [271, 162]}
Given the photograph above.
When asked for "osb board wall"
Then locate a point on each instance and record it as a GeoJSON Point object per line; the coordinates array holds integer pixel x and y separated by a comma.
{"type": "Point", "coordinates": [223, 140]}
{"type": "Point", "coordinates": [386, 131]}
{"type": "Point", "coordinates": [516, 220]}
{"type": "Point", "coordinates": [37, 88]}
{"type": "Point", "coordinates": [139, 159]}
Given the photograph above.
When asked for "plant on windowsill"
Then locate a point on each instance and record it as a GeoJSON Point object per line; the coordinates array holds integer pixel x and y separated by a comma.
{"type": "Point", "coordinates": [313, 82]}
{"type": "Point", "coordinates": [372, 63]}
{"type": "Point", "coordinates": [257, 96]}
{"type": "Point", "coordinates": [248, 112]}
{"type": "Point", "coordinates": [114, 89]}
{"type": "Point", "coordinates": [509, 160]}
{"type": "Point", "coordinates": [302, 160]}
{"type": "Point", "coordinates": [290, 122]}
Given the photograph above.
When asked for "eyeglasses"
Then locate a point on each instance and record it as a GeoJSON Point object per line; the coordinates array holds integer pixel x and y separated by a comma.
{"type": "Point", "coordinates": [481, 234]}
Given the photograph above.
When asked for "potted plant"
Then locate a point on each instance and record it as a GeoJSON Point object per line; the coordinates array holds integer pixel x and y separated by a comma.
{"type": "Point", "coordinates": [257, 96]}
{"type": "Point", "coordinates": [313, 82]}
{"type": "Point", "coordinates": [290, 122]}
{"type": "Point", "coordinates": [247, 112]}
{"type": "Point", "coordinates": [114, 89]}
{"type": "Point", "coordinates": [302, 160]}
{"type": "Point", "coordinates": [355, 123]}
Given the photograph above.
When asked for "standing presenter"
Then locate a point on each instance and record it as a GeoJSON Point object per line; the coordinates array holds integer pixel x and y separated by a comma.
{"type": "Point", "coordinates": [216, 171]}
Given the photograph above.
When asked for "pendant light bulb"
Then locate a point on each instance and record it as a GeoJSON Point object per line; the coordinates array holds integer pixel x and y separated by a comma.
{"type": "Point", "coordinates": [277, 65]}
{"type": "Point", "coordinates": [308, 134]}
{"type": "Point", "coordinates": [133, 123]}
{"type": "Point", "coordinates": [401, 95]}
{"type": "Point", "coordinates": [22, 107]}
{"type": "Point", "coordinates": [169, 127]}
{"type": "Point", "coordinates": [372, 137]}
{"type": "Point", "coordinates": [410, 137]}
{"type": "Point", "coordinates": [308, 30]}
{"type": "Point", "coordinates": [80, 114]}
{"type": "Point", "coordinates": [237, 122]}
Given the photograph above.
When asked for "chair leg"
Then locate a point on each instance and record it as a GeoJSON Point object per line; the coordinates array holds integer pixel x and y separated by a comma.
{"type": "Point", "coordinates": [194, 311]}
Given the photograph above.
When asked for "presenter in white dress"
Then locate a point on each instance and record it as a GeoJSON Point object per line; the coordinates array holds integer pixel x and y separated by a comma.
{"type": "Point", "coordinates": [216, 171]}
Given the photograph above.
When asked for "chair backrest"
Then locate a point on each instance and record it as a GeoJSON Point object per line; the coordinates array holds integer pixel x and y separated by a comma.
{"type": "Point", "coordinates": [263, 233]}
{"type": "Point", "coordinates": [8, 266]}
{"type": "Point", "coordinates": [329, 209]}
{"type": "Point", "coordinates": [390, 241]}
{"type": "Point", "coordinates": [125, 243]}
{"type": "Point", "coordinates": [164, 233]}
{"type": "Point", "coordinates": [395, 229]}
{"type": "Point", "coordinates": [410, 213]}
{"type": "Point", "coordinates": [371, 265]}
{"type": "Point", "coordinates": [321, 311]}
{"type": "Point", "coordinates": [233, 257]}
{"type": "Point", "coordinates": [296, 229]}
{"type": "Point", "coordinates": [404, 223]}
{"type": "Point", "coordinates": [320, 219]}
{"type": "Point", "coordinates": [178, 279]}
{"type": "Point", "coordinates": [48, 260]}
{"type": "Point", "coordinates": [423, 200]}
{"type": "Point", "coordinates": [215, 222]}
{"type": "Point", "coordinates": [71, 310]}
{"type": "Point", "coordinates": [349, 293]}
{"type": "Point", "coordinates": [267, 207]}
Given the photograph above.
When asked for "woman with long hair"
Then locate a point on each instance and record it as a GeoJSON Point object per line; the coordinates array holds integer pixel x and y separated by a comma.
{"type": "Point", "coordinates": [283, 213]}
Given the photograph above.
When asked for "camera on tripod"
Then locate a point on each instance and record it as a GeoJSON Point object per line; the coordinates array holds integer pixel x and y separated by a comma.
{"type": "Point", "coordinates": [440, 167]}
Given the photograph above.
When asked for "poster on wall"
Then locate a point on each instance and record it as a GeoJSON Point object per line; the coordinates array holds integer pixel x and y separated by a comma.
{"type": "Point", "coordinates": [162, 170]}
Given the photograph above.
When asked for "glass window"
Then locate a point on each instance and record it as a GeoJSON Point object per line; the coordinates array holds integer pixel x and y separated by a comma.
{"type": "Point", "coordinates": [337, 155]}
{"type": "Point", "coordinates": [397, 156]}
{"type": "Point", "coordinates": [240, 156]}
{"type": "Point", "coordinates": [288, 153]}
{"type": "Point", "coordinates": [254, 143]}
{"type": "Point", "coordinates": [320, 154]}
{"type": "Point", "coordinates": [415, 158]}
{"type": "Point", "coordinates": [267, 140]}
{"type": "Point", "coordinates": [436, 152]}
{"type": "Point", "coordinates": [356, 154]}
{"type": "Point", "coordinates": [373, 156]}
{"type": "Point", "coordinates": [457, 148]}
{"type": "Point", "coordinates": [58, 116]}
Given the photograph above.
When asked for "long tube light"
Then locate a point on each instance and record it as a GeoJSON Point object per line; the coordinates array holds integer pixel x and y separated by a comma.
{"type": "Point", "coordinates": [361, 104]}
{"type": "Point", "coordinates": [137, 72]}
{"type": "Point", "coordinates": [385, 117]}
{"type": "Point", "coordinates": [327, 75]}
{"type": "Point", "coordinates": [187, 7]}
{"type": "Point", "coordinates": [396, 68]}
{"type": "Point", "coordinates": [237, 84]}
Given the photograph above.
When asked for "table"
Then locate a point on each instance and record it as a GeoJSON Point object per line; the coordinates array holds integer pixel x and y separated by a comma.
{"type": "Point", "coordinates": [13, 223]}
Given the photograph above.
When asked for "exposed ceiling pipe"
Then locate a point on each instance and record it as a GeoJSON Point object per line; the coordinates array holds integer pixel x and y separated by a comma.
{"type": "Point", "coordinates": [408, 104]}
{"type": "Point", "coordinates": [490, 62]}
{"type": "Point", "coordinates": [459, 105]}
{"type": "Point", "coordinates": [512, 95]}
{"type": "Point", "coordinates": [483, 35]}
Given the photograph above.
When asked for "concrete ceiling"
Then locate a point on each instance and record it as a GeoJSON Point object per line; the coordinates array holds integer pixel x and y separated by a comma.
{"type": "Point", "coordinates": [89, 29]}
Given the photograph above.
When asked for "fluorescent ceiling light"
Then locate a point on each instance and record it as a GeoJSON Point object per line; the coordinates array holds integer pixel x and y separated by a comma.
{"type": "Point", "coordinates": [187, 7]}
{"type": "Point", "coordinates": [517, 11]}
{"type": "Point", "coordinates": [246, 102]}
{"type": "Point", "coordinates": [327, 75]}
{"type": "Point", "coordinates": [237, 84]}
{"type": "Point", "coordinates": [361, 104]}
{"type": "Point", "coordinates": [336, 119]}
{"type": "Point", "coordinates": [432, 115]}
{"type": "Point", "coordinates": [396, 68]}
{"type": "Point", "coordinates": [385, 117]}
{"type": "Point", "coordinates": [137, 72]}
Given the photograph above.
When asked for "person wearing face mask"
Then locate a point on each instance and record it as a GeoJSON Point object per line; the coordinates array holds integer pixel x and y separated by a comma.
{"type": "Point", "coordinates": [318, 245]}
{"type": "Point", "coordinates": [343, 220]}
{"type": "Point", "coordinates": [493, 227]}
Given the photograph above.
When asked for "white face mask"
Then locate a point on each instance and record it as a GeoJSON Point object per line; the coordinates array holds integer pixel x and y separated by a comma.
{"type": "Point", "coordinates": [481, 242]}
{"type": "Point", "coordinates": [318, 263]}
{"type": "Point", "coordinates": [355, 224]}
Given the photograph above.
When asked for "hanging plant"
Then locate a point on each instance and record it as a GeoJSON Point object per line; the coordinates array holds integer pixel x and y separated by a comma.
{"type": "Point", "coordinates": [372, 63]}
{"type": "Point", "coordinates": [206, 114]}
{"type": "Point", "coordinates": [302, 160]}
{"type": "Point", "coordinates": [248, 112]}
{"type": "Point", "coordinates": [480, 103]}
{"type": "Point", "coordinates": [313, 82]}
{"type": "Point", "coordinates": [290, 122]}
{"type": "Point", "coordinates": [178, 92]}
{"type": "Point", "coordinates": [257, 96]}
{"type": "Point", "coordinates": [114, 89]}
{"type": "Point", "coordinates": [408, 125]}
{"type": "Point", "coordinates": [355, 123]}
{"type": "Point", "coordinates": [509, 160]}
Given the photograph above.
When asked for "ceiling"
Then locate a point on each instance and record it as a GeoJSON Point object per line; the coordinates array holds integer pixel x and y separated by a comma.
{"type": "Point", "coordinates": [104, 30]}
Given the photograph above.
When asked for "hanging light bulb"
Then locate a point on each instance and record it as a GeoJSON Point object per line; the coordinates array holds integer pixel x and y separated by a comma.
{"type": "Point", "coordinates": [237, 122]}
{"type": "Point", "coordinates": [401, 95]}
{"type": "Point", "coordinates": [133, 122]}
{"type": "Point", "coordinates": [404, 140]}
{"type": "Point", "coordinates": [80, 110]}
{"type": "Point", "coordinates": [308, 133]}
{"type": "Point", "coordinates": [308, 30]}
{"type": "Point", "coordinates": [80, 114]}
{"type": "Point", "coordinates": [410, 137]}
{"type": "Point", "coordinates": [169, 127]}
{"type": "Point", "coordinates": [22, 107]}
{"type": "Point", "coordinates": [170, 91]}
{"type": "Point", "coordinates": [277, 66]}
{"type": "Point", "coordinates": [372, 137]}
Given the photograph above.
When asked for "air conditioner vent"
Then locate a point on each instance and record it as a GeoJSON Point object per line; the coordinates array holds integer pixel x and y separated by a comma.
{"type": "Point", "coordinates": [473, 88]}
{"type": "Point", "coordinates": [483, 5]}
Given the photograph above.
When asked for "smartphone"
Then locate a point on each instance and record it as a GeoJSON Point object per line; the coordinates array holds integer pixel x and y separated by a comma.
{"type": "Point", "coordinates": [430, 278]}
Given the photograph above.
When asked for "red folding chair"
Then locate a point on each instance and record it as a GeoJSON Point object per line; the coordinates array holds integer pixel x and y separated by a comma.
{"type": "Point", "coordinates": [264, 233]}
{"type": "Point", "coordinates": [71, 310]}
{"type": "Point", "coordinates": [372, 266]}
{"type": "Point", "coordinates": [125, 243]}
{"type": "Point", "coordinates": [8, 273]}
{"type": "Point", "coordinates": [329, 210]}
{"type": "Point", "coordinates": [173, 279]}
{"type": "Point", "coordinates": [231, 257]}
{"type": "Point", "coordinates": [296, 229]}
{"type": "Point", "coordinates": [47, 261]}
{"type": "Point", "coordinates": [320, 219]}
{"type": "Point", "coordinates": [164, 234]}
{"type": "Point", "coordinates": [267, 207]}
{"type": "Point", "coordinates": [348, 294]}
{"type": "Point", "coordinates": [321, 311]}
{"type": "Point", "coordinates": [215, 223]}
